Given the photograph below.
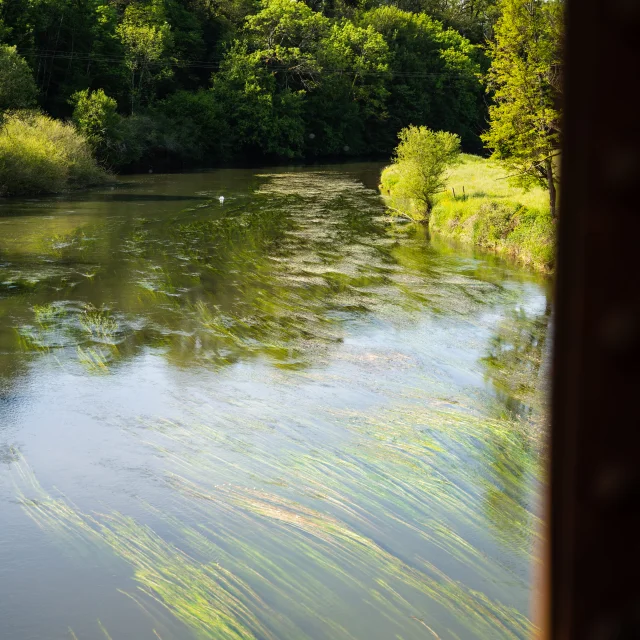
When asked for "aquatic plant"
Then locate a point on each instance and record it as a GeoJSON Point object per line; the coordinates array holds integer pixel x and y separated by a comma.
{"type": "Point", "coordinates": [99, 324]}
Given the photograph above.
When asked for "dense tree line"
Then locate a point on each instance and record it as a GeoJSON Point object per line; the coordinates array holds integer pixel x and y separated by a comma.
{"type": "Point", "coordinates": [176, 82]}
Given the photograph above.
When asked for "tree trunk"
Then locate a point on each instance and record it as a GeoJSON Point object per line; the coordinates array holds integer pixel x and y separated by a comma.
{"type": "Point", "coordinates": [552, 188]}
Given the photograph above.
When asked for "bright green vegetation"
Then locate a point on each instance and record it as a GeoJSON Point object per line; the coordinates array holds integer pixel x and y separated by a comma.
{"type": "Point", "coordinates": [525, 79]}
{"type": "Point", "coordinates": [167, 83]}
{"type": "Point", "coordinates": [41, 155]}
{"type": "Point", "coordinates": [498, 207]}
{"type": "Point", "coordinates": [37, 153]}
{"type": "Point", "coordinates": [421, 160]}
{"type": "Point", "coordinates": [480, 206]}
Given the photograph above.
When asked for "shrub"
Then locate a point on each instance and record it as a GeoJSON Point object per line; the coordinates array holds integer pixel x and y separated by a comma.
{"type": "Point", "coordinates": [39, 154]}
{"type": "Point", "coordinates": [420, 164]}
{"type": "Point", "coordinates": [96, 118]}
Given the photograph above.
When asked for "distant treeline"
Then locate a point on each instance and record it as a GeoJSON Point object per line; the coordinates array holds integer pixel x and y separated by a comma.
{"type": "Point", "coordinates": [172, 83]}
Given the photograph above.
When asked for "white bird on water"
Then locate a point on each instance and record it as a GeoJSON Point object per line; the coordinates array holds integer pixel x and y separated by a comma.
{"type": "Point", "coordinates": [221, 198]}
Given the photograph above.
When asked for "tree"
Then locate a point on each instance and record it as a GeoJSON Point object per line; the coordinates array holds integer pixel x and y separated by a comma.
{"type": "Point", "coordinates": [146, 37]}
{"type": "Point", "coordinates": [434, 79]}
{"type": "Point", "coordinates": [349, 103]}
{"type": "Point", "coordinates": [17, 87]}
{"type": "Point", "coordinates": [421, 161]}
{"type": "Point", "coordinates": [525, 119]}
{"type": "Point", "coordinates": [261, 115]}
{"type": "Point", "coordinates": [474, 19]}
{"type": "Point", "coordinates": [265, 77]}
{"type": "Point", "coordinates": [95, 116]}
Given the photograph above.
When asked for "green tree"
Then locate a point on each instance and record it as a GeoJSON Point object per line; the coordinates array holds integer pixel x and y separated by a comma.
{"type": "Point", "coordinates": [525, 119]}
{"type": "Point", "coordinates": [474, 19]}
{"type": "Point", "coordinates": [421, 160]}
{"type": "Point", "coordinates": [349, 101]}
{"type": "Point", "coordinates": [434, 77]}
{"type": "Point", "coordinates": [17, 87]}
{"type": "Point", "coordinates": [261, 116]}
{"type": "Point", "coordinates": [95, 116]}
{"type": "Point", "coordinates": [265, 76]}
{"type": "Point", "coordinates": [147, 38]}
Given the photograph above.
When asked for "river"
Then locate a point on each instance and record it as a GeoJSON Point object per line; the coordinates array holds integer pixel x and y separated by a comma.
{"type": "Point", "coordinates": [283, 416]}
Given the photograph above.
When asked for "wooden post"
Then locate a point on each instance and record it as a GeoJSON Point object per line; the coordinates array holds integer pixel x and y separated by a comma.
{"type": "Point", "coordinates": [454, 193]}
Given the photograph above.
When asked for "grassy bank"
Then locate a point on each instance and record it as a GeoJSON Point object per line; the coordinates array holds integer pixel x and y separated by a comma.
{"type": "Point", "coordinates": [41, 155]}
{"type": "Point", "coordinates": [486, 211]}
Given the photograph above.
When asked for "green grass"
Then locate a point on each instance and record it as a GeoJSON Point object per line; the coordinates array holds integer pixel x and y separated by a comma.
{"type": "Point", "coordinates": [487, 211]}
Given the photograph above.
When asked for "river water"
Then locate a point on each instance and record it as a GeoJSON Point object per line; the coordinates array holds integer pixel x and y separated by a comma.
{"type": "Point", "coordinates": [280, 417]}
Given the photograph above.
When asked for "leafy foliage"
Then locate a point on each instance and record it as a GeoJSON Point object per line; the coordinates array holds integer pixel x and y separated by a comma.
{"type": "Point", "coordinates": [525, 121]}
{"type": "Point", "coordinates": [206, 82]}
{"type": "Point", "coordinates": [95, 116]}
{"type": "Point", "coordinates": [434, 79]}
{"type": "Point", "coordinates": [421, 161]}
{"type": "Point", "coordinates": [39, 155]}
{"type": "Point", "coordinates": [146, 37]}
{"type": "Point", "coordinates": [17, 88]}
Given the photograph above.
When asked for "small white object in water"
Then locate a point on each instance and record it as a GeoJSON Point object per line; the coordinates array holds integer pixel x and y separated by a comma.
{"type": "Point", "coordinates": [221, 198]}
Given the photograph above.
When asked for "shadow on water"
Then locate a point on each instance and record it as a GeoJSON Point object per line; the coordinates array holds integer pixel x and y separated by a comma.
{"type": "Point", "coordinates": [144, 197]}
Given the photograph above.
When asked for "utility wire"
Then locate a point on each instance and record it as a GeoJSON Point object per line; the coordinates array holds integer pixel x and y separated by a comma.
{"type": "Point", "coordinates": [214, 63]}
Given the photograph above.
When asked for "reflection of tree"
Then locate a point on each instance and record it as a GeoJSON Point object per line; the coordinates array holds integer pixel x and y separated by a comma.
{"type": "Point", "coordinates": [514, 358]}
{"type": "Point", "coordinates": [268, 275]}
{"type": "Point", "coordinates": [513, 364]}
{"type": "Point", "coordinates": [510, 486]}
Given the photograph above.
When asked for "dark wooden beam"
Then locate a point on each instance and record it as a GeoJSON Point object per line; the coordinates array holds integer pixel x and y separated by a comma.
{"type": "Point", "coordinates": [595, 452]}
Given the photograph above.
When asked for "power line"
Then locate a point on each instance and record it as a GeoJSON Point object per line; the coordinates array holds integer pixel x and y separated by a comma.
{"type": "Point", "coordinates": [214, 64]}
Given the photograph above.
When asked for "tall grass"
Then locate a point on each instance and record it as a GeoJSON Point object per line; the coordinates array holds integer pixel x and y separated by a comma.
{"type": "Point", "coordinates": [41, 155]}
{"type": "Point", "coordinates": [481, 207]}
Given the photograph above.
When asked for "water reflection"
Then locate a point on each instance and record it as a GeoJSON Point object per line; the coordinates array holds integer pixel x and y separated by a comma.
{"type": "Point", "coordinates": [516, 363]}
{"type": "Point", "coordinates": [515, 356]}
{"type": "Point", "coordinates": [273, 275]}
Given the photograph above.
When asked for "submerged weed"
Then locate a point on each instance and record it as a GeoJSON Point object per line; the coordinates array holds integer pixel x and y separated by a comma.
{"type": "Point", "coordinates": [98, 324]}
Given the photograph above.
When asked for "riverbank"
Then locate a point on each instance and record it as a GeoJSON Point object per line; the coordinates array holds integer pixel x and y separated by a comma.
{"type": "Point", "coordinates": [481, 207]}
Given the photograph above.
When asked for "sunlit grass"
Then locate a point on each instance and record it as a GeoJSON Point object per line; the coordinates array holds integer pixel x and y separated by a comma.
{"type": "Point", "coordinates": [481, 206]}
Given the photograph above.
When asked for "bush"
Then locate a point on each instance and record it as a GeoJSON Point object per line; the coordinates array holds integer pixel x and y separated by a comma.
{"type": "Point", "coordinates": [96, 119]}
{"type": "Point", "coordinates": [418, 173]}
{"type": "Point", "coordinates": [41, 155]}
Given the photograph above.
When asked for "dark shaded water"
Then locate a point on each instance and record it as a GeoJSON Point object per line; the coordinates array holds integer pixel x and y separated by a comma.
{"type": "Point", "coordinates": [280, 417]}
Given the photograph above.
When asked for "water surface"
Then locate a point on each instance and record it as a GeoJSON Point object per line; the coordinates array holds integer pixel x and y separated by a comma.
{"type": "Point", "coordinates": [280, 417]}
